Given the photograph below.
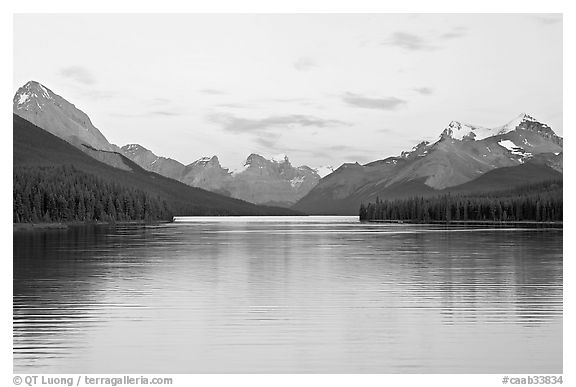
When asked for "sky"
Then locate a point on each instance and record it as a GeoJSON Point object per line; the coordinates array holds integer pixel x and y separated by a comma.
{"type": "Point", "coordinates": [323, 89]}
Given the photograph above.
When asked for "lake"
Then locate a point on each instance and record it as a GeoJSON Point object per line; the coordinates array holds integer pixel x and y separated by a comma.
{"type": "Point", "coordinates": [287, 295]}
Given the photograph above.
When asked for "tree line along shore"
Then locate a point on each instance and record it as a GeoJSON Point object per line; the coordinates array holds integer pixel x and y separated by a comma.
{"type": "Point", "coordinates": [534, 203]}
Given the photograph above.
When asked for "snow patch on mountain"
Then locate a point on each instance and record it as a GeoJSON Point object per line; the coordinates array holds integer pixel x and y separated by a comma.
{"type": "Point", "coordinates": [515, 149]}
{"type": "Point", "coordinates": [279, 158]}
{"type": "Point", "coordinates": [461, 131]}
{"type": "Point", "coordinates": [203, 160]}
{"type": "Point", "coordinates": [131, 147]}
{"type": "Point", "coordinates": [508, 145]}
{"type": "Point", "coordinates": [419, 150]}
{"type": "Point", "coordinates": [23, 98]}
{"type": "Point", "coordinates": [45, 92]}
{"type": "Point", "coordinates": [297, 181]}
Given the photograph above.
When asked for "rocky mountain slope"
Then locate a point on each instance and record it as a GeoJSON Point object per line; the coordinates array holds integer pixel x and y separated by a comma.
{"type": "Point", "coordinates": [462, 154]}
{"type": "Point", "coordinates": [261, 180]}
{"type": "Point", "coordinates": [39, 105]}
{"type": "Point", "coordinates": [271, 181]}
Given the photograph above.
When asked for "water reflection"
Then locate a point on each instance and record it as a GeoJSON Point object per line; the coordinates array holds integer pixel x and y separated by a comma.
{"type": "Point", "coordinates": [288, 295]}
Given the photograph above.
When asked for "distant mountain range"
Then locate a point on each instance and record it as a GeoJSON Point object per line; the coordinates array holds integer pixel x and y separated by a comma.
{"type": "Point", "coordinates": [261, 181]}
{"type": "Point", "coordinates": [464, 158]}
{"type": "Point", "coordinates": [271, 181]}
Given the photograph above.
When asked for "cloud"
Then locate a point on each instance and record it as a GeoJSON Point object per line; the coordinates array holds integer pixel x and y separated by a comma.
{"type": "Point", "coordinates": [159, 101]}
{"type": "Point", "coordinates": [455, 33]}
{"type": "Point", "coordinates": [212, 91]}
{"type": "Point", "coordinates": [340, 148]}
{"type": "Point", "coordinates": [235, 124]}
{"type": "Point", "coordinates": [424, 90]}
{"type": "Point", "coordinates": [79, 74]}
{"type": "Point", "coordinates": [304, 64]}
{"type": "Point", "coordinates": [388, 103]}
{"type": "Point", "coordinates": [268, 140]}
{"type": "Point", "coordinates": [164, 113]}
{"type": "Point", "coordinates": [408, 41]}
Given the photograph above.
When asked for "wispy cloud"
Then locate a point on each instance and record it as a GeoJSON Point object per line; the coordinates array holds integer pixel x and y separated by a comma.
{"type": "Point", "coordinates": [235, 124]}
{"type": "Point", "coordinates": [159, 101]}
{"type": "Point", "coordinates": [79, 74]}
{"type": "Point", "coordinates": [424, 90]}
{"type": "Point", "coordinates": [212, 91]}
{"type": "Point", "coordinates": [408, 41]}
{"type": "Point", "coordinates": [387, 103]}
{"type": "Point", "coordinates": [340, 148]}
{"type": "Point", "coordinates": [167, 113]}
{"type": "Point", "coordinates": [304, 64]}
{"type": "Point", "coordinates": [455, 33]}
{"type": "Point", "coordinates": [268, 140]}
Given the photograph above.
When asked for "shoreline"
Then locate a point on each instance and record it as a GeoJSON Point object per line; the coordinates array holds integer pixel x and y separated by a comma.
{"type": "Point", "coordinates": [63, 226]}
{"type": "Point", "coordinates": [527, 223]}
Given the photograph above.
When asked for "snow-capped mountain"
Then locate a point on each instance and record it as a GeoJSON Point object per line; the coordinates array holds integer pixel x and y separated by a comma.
{"type": "Point", "coordinates": [37, 104]}
{"type": "Point", "coordinates": [459, 131]}
{"type": "Point", "coordinates": [462, 153]}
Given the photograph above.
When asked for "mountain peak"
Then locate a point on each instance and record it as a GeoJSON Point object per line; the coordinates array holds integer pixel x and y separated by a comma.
{"type": "Point", "coordinates": [134, 149]}
{"type": "Point", "coordinates": [256, 159]}
{"type": "Point", "coordinates": [518, 121]}
{"type": "Point", "coordinates": [457, 130]}
{"type": "Point", "coordinates": [41, 106]}
{"type": "Point", "coordinates": [207, 161]}
{"type": "Point", "coordinates": [279, 158]}
{"type": "Point", "coordinates": [32, 92]}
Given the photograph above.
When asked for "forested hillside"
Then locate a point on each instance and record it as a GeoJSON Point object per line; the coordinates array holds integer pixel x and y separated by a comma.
{"type": "Point", "coordinates": [540, 202]}
{"type": "Point", "coordinates": [56, 194]}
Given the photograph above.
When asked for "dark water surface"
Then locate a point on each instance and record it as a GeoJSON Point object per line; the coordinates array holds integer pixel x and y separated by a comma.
{"type": "Point", "coordinates": [304, 295]}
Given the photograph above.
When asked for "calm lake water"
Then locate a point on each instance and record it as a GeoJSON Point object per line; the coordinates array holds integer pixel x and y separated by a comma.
{"type": "Point", "coordinates": [287, 295]}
